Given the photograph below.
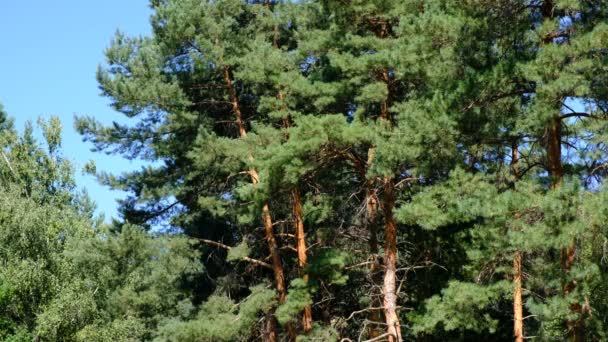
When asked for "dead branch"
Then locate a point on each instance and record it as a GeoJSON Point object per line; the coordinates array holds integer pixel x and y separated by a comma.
{"type": "Point", "coordinates": [226, 247]}
{"type": "Point", "coordinates": [362, 311]}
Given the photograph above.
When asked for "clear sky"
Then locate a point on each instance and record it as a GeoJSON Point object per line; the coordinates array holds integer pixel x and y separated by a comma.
{"type": "Point", "coordinates": [49, 53]}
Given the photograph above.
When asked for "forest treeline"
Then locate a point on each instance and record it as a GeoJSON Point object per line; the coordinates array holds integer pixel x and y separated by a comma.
{"type": "Point", "coordinates": [326, 170]}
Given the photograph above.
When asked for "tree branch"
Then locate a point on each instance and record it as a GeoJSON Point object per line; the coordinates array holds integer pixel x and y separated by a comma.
{"type": "Point", "coordinates": [363, 310]}
{"type": "Point", "coordinates": [577, 114]}
{"type": "Point", "coordinates": [226, 247]}
{"type": "Point", "coordinates": [380, 337]}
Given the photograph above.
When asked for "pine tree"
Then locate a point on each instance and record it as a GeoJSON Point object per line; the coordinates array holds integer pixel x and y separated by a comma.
{"type": "Point", "coordinates": [552, 84]}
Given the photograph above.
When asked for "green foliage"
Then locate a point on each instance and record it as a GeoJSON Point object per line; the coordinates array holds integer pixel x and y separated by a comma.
{"type": "Point", "coordinates": [121, 329]}
{"type": "Point", "coordinates": [460, 199]}
{"type": "Point", "coordinates": [297, 299]}
{"type": "Point", "coordinates": [328, 266]}
{"type": "Point", "coordinates": [65, 277]}
{"type": "Point", "coordinates": [67, 313]}
{"type": "Point", "coordinates": [238, 252]}
{"type": "Point", "coordinates": [461, 306]}
{"type": "Point", "coordinates": [319, 333]}
{"type": "Point", "coordinates": [488, 118]}
{"type": "Point", "coordinates": [220, 319]}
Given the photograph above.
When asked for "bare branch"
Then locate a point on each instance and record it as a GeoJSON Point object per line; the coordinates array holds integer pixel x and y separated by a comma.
{"type": "Point", "coordinates": [378, 338]}
{"type": "Point", "coordinates": [360, 264]}
{"type": "Point", "coordinates": [409, 179]}
{"type": "Point", "coordinates": [226, 247]}
{"type": "Point", "coordinates": [8, 163]}
{"type": "Point", "coordinates": [577, 114]}
{"type": "Point", "coordinates": [363, 310]}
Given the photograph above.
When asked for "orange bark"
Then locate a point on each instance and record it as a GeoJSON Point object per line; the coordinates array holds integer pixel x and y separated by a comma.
{"type": "Point", "coordinates": [371, 209]}
{"type": "Point", "coordinates": [296, 204]}
{"type": "Point", "coordinates": [371, 204]}
{"type": "Point", "coordinates": [296, 208]}
{"type": "Point", "coordinates": [234, 102]}
{"type": "Point", "coordinates": [518, 321]}
{"type": "Point", "coordinates": [270, 329]}
{"type": "Point", "coordinates": [301, 249]}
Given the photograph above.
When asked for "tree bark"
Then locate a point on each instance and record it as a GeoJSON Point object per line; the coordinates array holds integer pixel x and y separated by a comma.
{"type": "Point", "coordinates": [390, 248]}
{"type": "Point", "coordinates": [234, 102]}
{"type": "Point", "coordinates": [296, 203]}
{"type": "Point", "coordinates": [390, 263]}
{"type": "Point", "coordinates": [518, 321]}
{"type": "Point", "coordinates": [371, 213]}
{"type": "Point", "coordinates": [371, 206]}
{"type": "Point", "coordinates": [270, 328]}
{"type": "Point", "coordinates": [301, 249]}
{"type": "Point", "coordinates": [375, 271]}
{"type": "Point", "coordinates": [554, 153]}
{"type": "Point", "coordinates": [296, 208]}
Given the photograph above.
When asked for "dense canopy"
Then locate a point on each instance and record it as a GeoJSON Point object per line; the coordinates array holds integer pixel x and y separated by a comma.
{"type": "Point", "coordinates": [425, 170]}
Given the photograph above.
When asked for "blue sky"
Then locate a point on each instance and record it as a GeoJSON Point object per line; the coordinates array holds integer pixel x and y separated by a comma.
{"type": "Point", "coordinates": [49, 53]}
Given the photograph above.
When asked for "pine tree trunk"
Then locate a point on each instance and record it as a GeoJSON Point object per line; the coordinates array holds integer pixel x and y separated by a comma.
{"type": "Point", "coordinates": [234, 102]}
{"type": "Point", "coordinates": [270, 328]}
{"type": "Point", "coordinates": [389, 289]}
{"type": "Point", "coordinates": [371, 208]}
{"type": "Point", "coordinates": [277, 265]}
{"type": "Point", "coordinates": [301, 249]}
{"type": "Point", "coordinates": [390, 273]}
{"type": "Point", "coordinates": [371, 211]}
{"type": "Point", "coordinates": [296, 208]}
{"type": "Point", "coordinates": [556, 173]}
{"type": "Point", "coordinates": [518, 321]}
{"type": "Point", "coordinates": [554, 153]}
